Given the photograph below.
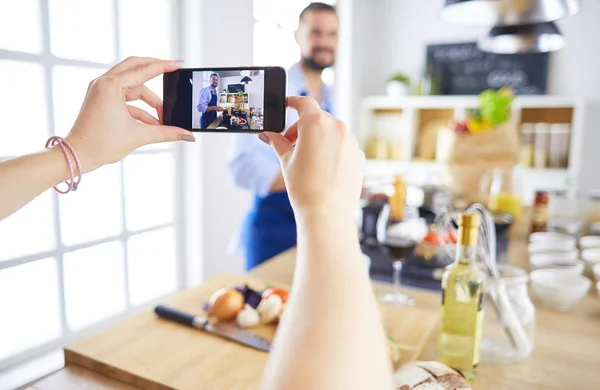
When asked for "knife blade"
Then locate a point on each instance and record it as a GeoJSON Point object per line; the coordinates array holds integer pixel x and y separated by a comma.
{"type": "Point", "coordinates": [222, 329]}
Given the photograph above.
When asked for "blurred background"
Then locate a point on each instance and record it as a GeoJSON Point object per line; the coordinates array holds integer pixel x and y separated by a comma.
{"type": "Point", "coordinates": [163, 219]}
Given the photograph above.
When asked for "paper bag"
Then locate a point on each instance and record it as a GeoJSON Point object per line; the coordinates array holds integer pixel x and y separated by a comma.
{"type": "Point", "coordinates": [471, 155]}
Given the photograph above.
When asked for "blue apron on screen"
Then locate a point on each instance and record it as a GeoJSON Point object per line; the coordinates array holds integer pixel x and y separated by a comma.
{"type": "Point", "coordinates": [209, 116]}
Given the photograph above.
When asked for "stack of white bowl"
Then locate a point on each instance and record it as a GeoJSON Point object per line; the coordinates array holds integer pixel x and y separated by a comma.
{"type": "Point", "coordinates": [556, 277]}
{"type": "Point", "coordinates": [590, 253]}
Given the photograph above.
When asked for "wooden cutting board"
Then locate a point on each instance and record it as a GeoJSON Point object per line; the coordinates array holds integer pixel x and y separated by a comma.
{"type": "Point", "coordinates": [152, 353]}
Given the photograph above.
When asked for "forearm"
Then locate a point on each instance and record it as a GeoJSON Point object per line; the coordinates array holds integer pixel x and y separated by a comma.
{"type": "Point", "coordinates": [326, 338]}
{"type": "Point", "coordinates": [24, 178]}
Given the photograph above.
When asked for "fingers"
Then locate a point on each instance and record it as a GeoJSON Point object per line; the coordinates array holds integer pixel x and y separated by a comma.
{"type": "Point", "coordinates": [303, 104]}
{"type": "Point", "coordinates": [292, 133]}
{"type": "Point", "coordinates": [130, 63]}
{"type": "Point", "coordinates": [145, 94]}
{"type": "Point", "coordinates": [142, 115]}
{"type": "Point", "coordinates": [161, 133]}
{"type": "Point", "coordinates": [280, 144]}
{"type": "Point", "coordinates": [137, 76]}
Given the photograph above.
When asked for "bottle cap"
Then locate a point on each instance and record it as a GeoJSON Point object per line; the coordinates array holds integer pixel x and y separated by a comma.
{"type": "Point", "coordinates": [469, 219]}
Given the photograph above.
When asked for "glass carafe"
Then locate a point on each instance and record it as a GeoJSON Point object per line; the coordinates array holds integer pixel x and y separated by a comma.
{"type": "Point", "coordinates": [497, 345]}
{"type": "Point", "coordinates": [500, 190]}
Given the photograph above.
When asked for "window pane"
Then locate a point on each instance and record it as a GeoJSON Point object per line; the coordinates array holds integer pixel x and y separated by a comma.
{"type": "Point", "coordinates": [149, 190]}
{"type": "Point", "coordinates": [29, 230]}
{"type": "Point", "coordinates": [94, 284]}
{"type": "Point", "coordinates": [94, 211]}
{"type": "Point", "coordinates": [20, 26]}
{"type": "Point", "coordinates": [150, 36]}
{"type": "Point", "coordinates": [82, 30]}
{"type": "Point", "coordinates": [30, 306]}
{"type": "Point", "coordinates": [22, 107]}
{"type": "Point", "coordinates": [152, 265]}
{"type": "Point", "coordinates": [266, 37]}
{"type": "Point", "coordinates": [69, 86]}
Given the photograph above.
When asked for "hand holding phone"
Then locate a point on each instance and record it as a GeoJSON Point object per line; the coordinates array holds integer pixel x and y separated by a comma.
{"type": "Point", "coordinates": [240, 100]}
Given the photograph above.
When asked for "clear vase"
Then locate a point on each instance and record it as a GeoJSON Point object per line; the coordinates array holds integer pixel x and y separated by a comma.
{"type": "Point", "coordinates": [498, 345]}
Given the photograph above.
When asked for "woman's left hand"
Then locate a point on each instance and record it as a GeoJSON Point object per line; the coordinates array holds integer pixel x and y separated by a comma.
{"type": "Point", "coordinates": [107, 129]}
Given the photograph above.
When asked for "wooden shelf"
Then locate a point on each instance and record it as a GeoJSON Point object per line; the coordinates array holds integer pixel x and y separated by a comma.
{"type": "Point", "coordinates": [415, 128]}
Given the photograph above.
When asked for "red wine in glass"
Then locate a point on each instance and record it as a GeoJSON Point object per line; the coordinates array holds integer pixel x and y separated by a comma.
{"type": "Point", "coordinates": [398, 249]}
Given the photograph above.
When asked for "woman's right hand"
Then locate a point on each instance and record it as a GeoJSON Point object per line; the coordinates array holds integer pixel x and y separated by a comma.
{"type": "Point", "coordinates": [324, 169]}
{"type": "Point", "coordinates": [107, 129]}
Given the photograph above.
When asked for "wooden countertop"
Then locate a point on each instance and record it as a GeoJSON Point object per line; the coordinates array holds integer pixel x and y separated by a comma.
{"type": "Point", "coordinates": [566, 354]}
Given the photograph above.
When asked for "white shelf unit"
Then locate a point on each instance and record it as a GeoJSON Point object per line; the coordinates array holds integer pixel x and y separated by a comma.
{"type": "Point", "coordinates": [417, 110]}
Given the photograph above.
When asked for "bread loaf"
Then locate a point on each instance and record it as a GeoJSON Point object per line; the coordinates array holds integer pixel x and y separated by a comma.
{"type": "Point", "coordinates": [430, 375]}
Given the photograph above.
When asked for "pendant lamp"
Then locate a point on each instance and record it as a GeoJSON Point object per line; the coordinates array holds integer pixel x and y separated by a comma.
{"type": "Point", "coordinates": [531, 38]}
{"type": "Point", "coordinates": [507, 12]}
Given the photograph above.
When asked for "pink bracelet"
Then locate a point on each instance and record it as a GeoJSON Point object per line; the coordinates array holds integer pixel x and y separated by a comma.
{"type": "Point", "coordinates": [73, 180]}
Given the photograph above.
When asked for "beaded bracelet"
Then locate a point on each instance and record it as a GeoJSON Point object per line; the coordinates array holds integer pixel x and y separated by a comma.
{"type": "Point", "coordinates": [67, 149]}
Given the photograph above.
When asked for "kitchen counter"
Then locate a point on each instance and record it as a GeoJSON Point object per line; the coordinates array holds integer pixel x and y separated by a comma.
{"type": "Point", "coordinates": [566, 354]}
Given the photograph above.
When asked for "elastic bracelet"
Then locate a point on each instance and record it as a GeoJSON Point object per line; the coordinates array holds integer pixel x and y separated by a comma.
{"type": "Point", "coordinates": [74, 180]}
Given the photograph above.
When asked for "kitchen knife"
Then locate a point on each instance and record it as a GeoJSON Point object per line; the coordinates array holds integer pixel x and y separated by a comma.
{"type": "Point", "coordinates": [222, 329]}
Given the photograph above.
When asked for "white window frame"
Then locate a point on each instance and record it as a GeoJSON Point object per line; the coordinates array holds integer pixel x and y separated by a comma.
{"type": "Point", "coordinates": [186, 163]}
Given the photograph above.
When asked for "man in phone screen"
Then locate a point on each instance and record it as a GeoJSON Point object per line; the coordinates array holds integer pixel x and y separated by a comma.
{"type": "Point", "coordinates": [270, 227]}
{"type": "Point", "coordinates": [207, 102]}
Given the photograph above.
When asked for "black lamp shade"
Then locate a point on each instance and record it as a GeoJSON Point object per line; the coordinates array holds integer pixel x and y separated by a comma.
{"type": "Point", "coordinates": [246, 80]}
{"type": "Point", "coordinates": [507, 12]}
{"type": "Point", "coordinates": [533, 38]}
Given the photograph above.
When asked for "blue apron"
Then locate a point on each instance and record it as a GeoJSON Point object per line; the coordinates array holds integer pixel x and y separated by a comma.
{"type": "Point", "coordinates": [210, 116]}
{"type": "Point", "coordinates": [270, 227]}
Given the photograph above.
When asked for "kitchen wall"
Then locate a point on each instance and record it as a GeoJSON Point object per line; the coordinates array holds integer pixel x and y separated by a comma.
{"type": "Point", "coordinates": [392, 35]}
{"type": "Point", "coordinates": [225, 81]}
{"type": "Point", "coordinates": [410, 25]}
{"type": "Point", "coordinates": [224, 206]}
{"type": "Point", "coordinates": [256, 91]}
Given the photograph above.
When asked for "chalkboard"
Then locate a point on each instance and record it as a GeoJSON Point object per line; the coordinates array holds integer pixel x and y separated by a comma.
{"type": "Point", "coordinates": [463, 69]}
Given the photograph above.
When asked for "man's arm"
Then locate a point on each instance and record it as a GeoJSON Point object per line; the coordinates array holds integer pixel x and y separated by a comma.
{"type": "Point", "coordinates": [203, 101]}
{"type": "Point", "coordinates": [253, 167]}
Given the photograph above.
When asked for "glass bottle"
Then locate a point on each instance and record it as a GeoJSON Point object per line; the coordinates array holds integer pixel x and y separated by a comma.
{"type": "Point", "coordinates": [462, 313]}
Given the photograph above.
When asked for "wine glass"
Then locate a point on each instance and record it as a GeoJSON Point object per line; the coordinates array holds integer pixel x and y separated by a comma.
{"type": "Point", "coordinates": [398, 243]}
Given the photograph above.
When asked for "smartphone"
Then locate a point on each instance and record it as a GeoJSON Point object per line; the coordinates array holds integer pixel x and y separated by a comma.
{"type": "Point", "coordinates": [239, 100]}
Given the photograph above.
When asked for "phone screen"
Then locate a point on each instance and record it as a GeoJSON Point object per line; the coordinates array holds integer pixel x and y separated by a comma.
{"type": "Point", "coordinates": [242, 100]}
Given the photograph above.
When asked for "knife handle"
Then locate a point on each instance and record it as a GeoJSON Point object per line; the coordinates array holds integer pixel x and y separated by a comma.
{"type": "Point", "coordinates": [176, 315]}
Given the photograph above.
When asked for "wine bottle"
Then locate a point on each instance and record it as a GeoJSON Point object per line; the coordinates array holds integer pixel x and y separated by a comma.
{"type": "Point", "coordinates": [398, 200]}
{"type": "Point", "coordinates": [462, 315]}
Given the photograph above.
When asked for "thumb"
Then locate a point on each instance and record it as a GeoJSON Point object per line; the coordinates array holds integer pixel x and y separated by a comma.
{"type": "Point", "coordinates": [280, 144]}
{"type": "Point", "coordinates": [163, 133]}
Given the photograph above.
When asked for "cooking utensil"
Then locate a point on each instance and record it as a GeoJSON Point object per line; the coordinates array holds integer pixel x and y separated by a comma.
{"type": "Point", "coordinates": [221, 329]}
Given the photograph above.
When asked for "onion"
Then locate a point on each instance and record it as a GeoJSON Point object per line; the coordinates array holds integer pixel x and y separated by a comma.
{"type": "Point", "coordinates": [226, 303]}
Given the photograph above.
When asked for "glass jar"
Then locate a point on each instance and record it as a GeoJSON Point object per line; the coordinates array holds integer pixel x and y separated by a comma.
{"type": "Point", "coordinates": [559, 145]}
{"type": "Point", "coordinates": [527, 144]}
{"type": "Point", "coordinates": [497, 345]}
{"type": "Point", "coordinates": [540, 154]}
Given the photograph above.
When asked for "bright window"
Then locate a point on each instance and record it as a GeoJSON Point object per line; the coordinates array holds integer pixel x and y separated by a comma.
{"type": "Point", "coordinates": [73, 263]}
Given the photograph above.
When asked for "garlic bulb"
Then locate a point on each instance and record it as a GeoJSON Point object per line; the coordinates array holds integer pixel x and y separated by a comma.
{"type": "Point", "coordinates": [269, 308]}
{"type": "Point", "coordinates": [248, 317]}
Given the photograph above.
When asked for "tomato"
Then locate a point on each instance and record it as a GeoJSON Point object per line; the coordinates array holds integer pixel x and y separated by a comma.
{"type": "Point", "coordinates": [283, 293]}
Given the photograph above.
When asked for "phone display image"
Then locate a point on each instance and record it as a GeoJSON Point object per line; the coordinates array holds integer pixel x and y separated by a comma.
{"type": "Point", "coordinates": [245, 99]}
{"type": "Point", "coordinates": [228, 100]}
